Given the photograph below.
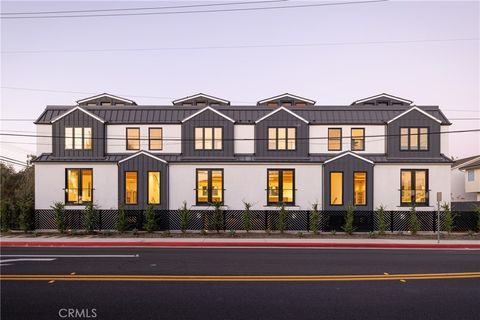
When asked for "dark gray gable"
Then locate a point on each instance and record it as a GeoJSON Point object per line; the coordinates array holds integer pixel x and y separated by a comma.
{"type": "Point", "coordinates": [383, 99]}
{"type": "Point", "coordinates": [105, 99]}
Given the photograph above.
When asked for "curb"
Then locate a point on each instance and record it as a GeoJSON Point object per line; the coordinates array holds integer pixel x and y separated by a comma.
{"type": "Point", "coordinates": [237, 244]}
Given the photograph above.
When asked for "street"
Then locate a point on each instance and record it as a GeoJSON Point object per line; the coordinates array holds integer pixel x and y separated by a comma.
{"type": "Point", "coordinates": [39, 282]}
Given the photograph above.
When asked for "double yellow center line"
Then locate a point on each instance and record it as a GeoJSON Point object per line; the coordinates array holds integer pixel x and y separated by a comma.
{"type": "Point", "coordinates": [244, 278]}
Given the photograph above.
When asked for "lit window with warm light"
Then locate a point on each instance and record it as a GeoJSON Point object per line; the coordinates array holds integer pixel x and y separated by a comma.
{"type": "Point", "coordinates": [281, 186]}
{"type": "Point", "coordinates": [336, 188]}
{"type": "Point", "coordinates": [360, 188]}
{"type": "Point", "coordinates": [154, 187]}
{"type": "Point", "coordinates": [131, 187]}
{"type": "Point", "coordinates": [209, 186]}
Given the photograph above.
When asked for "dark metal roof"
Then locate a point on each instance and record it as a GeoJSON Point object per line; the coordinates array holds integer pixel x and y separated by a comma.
{"type": "Point", "coordinates": [243, 114]}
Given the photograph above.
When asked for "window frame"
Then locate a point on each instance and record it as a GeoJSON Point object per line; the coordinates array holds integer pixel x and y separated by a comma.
{"type": "Point", "coordinates": [366, 189]}
{"type": "Point", "coordinates": [340, 138]}
{"type": "Point", "coordinates": [330, 189]}
{"type": "Point", "coordinates": [150, 138]}
{"type": "Point", "coordinates": [409, 149]}
{"type": "Point", "coordinates": [125, 189]}
{"type": "Point", "coordinates": [280, 187]}
{"type": "Point", "coordinates": [209, 180]}
{"type": "Point", "coordinates": [472, 171]}
{"type": "Point", "coordinates": [80, 187]}
{"type": "Point", "coordinates": [126, 138]}
{"type": "Point", "coordinates": [148, 187]}
{"type": "Point", "coordinates": [352, 139]}
{"type": "Point", "coordinates": [276, 138]}
{"type": "Point", "coordinates": [82, 138]}
{"type": "Point", "coordinates": [203, 138]}
{"type": "Point", "coordinates": [413, 173]}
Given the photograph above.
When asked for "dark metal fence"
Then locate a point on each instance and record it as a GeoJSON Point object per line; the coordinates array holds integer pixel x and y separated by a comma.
{"type": "Point", "coordinates": [364, 221]}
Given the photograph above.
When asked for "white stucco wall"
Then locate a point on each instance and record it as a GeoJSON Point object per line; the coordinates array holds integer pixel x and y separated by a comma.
{"type": "Point", "coordinates": [458, 179]}
{"type": "Point", "coordinates": [242, 131]}
{"type": "Point", "coordinates": [44, 138]}
{"type": "Point", "coordinates": [387, 184]}
{"type": "Point", "coordinates": [118, 132]}
{"type": "Point", "coordinates": [472, 186]}
{"type": "Point", "coordinates": [246, 182]}
{"type": "Point", "coordinates": [50, 184]}
{"type": "Point", "coordinates": [372, 144]}
{"type": "Point", "coordinates": [444, 141]}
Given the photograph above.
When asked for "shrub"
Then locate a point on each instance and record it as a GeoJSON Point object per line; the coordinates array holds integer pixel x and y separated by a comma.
{"type": "Point", "coordinates": [300, 234]}
{"type": "Point", "coordinates": [166, 234]}
{"type": "Point", "coordinates": [121, 219]}
{"type": "Point", "coordinates": [380, 212]}
{"type": "Point", "coordinates": [449, 218]}
{"type": "Point", "coordinates": [247, 217]}
{"type": "Point", "coordinates": [413, 224]}
{"type": "Point", "coordinates": [314, 218]}
{"type": "Point", "coordinates": [90, 213]}
{"type": "Point", "coordinates": [232, 233]}
{"type": "Point", "coordinates": [218, 216]}
{"type": "Point", "coordinates": [282, 219]}
{"type": "Point", "coordinates": [26, 214]}
{"type": "Point", "coordinates": [59, 209]}
{"type": "Point", "coordinates": [348, 226]}
{"type": "Point", "coordinates": [184, 217]}
{"type": "Point", "coordinates": [150, 224]}
{"type": "Point", "coordinates": [5, 215]}
{"type": "Point", "coordinates": [478, 219]}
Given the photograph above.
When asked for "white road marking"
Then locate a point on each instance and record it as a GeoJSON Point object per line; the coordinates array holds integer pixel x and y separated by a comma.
{"type": "Point", "coordinates": [69, 256]}
{"type": "Point", "coordinates": [2, 262]}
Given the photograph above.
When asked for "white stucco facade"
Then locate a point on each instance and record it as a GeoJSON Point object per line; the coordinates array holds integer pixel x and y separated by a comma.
{"type": "Point", "coordinates": [247, 132]}
{"type": "Point", "coordinates": [50, 184]}
{"type": "Point", "coordinates": [44, 138]}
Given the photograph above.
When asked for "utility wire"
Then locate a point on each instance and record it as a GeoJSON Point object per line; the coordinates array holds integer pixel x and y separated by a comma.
{"type": "Point", "coordinates": [14, 163]}
{"type": "Point", "coordinates": [11, 159]}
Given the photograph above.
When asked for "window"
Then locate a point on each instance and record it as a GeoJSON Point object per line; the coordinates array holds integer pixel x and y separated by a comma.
{"type": "Point", "coordinates": [133, 138]}
{"type": "Point", "coordinates": [155, 139]}
{"type": "Point", "coordinates": [334, 139]}
{"type": "Point", "coordinates": [471, 175]}
{"type": "Point", "coordinates": [131, 187]}
{"type": "Point", "coordinates": [78, 186]}
{"type": "Point", "coordinates": [413, 139]}
{"type": "Point", "coordinates": [105, 104]}
{"type": "Point", "coordinates": [208, 138]}
{"type": "Point", "coordinates": [414, 187]}
{"type": "Point", "coordinates": [153, 187]}
{"type": "Point", "coordinates": [78, 138]}
{"type": "Point", "coordinates": [281, 186]}
{"type": "Point", "coordinates": [336, 188]}
{"type": "Point", "coordinates": [209, 186]}
{"type": "Point", "coordinates": [358, 139]}
{"type": "Point", "coordinates": [359, 188]}
{"type": "Point", "coordinates": [282, 138]}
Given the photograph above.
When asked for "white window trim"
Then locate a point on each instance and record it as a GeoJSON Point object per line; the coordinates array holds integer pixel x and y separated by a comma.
{"type": "Point", "coordinates": [200, 95]}
{"type": "Point", "coordinates": [346, 154]}
{"type": "Point", "coordinates": [280, 109]}
{"type": "Point", "coordinates": [79, 109]}
{"type": "Point", "coordinates": [416, 109]}
{"type": "Point", "coordinates": [102, 95]}
{"type": "Point", "coordinates": [207, 109]}
{"type": "Point", "coordinates": [286, 95]}
{"type": "Point", "coordinates": [140, 153]}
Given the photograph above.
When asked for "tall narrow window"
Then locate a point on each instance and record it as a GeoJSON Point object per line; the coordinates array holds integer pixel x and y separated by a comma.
{"type": "Point", "coordinates": [404, 139]}
{"type": "Point", "coordinates": [68, 138]}
{"type": "Point", "coordinates": [281, 186]}
{"type": "Point", "coordinates": [414, 187]}
{"type": "Point", "coordinates": [360, 188]}
{"type": "Point", "coordinates": [78, 138]}
{"type": "Point", "coordinates": [153, 187]}
{"type": "Point", "coordinates": [334, 139]}
{"type": "Point", "coordinates": [133, 138]}
{"type": "Point", "coordinates": [78, 186]}
{"type": "Point", "coordinates": [336, 188]}
{"type": "Point", "coordinates": [209, 186]}
{"type": "Point", "coordinates": [413, 139]}
{"type": "Point", "coordinates": [208, 138]}
{"type": "Point", "coordinates": [358, 139]}
{"type": "Point", "coordinates": [87, 138]}
{"type": "Point", "coordinates": [282, 138]}
{"type": "Point", "coordinates": [155, 138]}
{"type": "Point", "coordinates": [131, 187]}
{"type": "Point", "coordinates": [470, 175]}
{"type": "Point", "coordinates": [423, 139]}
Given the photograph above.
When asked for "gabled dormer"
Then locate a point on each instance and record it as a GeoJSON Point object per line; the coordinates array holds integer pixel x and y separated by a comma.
{"type": "Point", "coordinates": [383, 99]}
{"type": "Point", "coordinates": [105, 99]}
{"type": "Point", "coordinates": [200, 100]}
{"type": "Point", "coordinates": [286, 100]}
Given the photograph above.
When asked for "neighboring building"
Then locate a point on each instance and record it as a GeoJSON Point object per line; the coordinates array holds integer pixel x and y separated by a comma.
{"type": "Point", "coordinates": [382, 150]}
{"type": "Point", "coordinates": [466, 179]}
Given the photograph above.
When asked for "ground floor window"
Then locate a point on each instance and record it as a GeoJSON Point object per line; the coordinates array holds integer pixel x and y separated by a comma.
{"type": "Point", "coordinates": [78, 186]}
{"type": "Point", "coordinates": [359, 188]}
{"type": "Point", "coordinates": [209, 186]}
{"type": "Point", "coordinates": [336, 188]}
{"type": "Point", "coordinates": [153, 187]}
{"type": "Point", "coordinates": [131, 187]}
{"type": "Point", "coordinates": [281, 186]}
{"type": "Point", "coordinates": [414, 187]}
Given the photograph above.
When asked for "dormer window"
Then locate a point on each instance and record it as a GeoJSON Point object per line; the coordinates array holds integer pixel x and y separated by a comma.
{"type": "Point", "coordinates": [78, 138]}
{"type": "Point", "coordinates": [300, 104]}
{"type": "Point", "coordinates": [287, 103]}
{"type": "Point", "coordinates": [105, 104]}
{"type": "Point", "coordinates": [413, 139]}
{"type": "Point", "coordinates": [201, 104]}
{"type": "Point", "coordinates": [272, 105]}
{"type": "Point", "coordinates": [91, 104]}
{"type": "Point", "coordinates": [186, 104]}
{"type": "Point", "coordinates": [282, 138]}
{"type": "Point", "coordinates": [208, 138]}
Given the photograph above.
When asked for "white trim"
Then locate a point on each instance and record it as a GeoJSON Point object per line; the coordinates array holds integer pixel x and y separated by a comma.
{"type": "Point", "coordinates": [348, 153]}
{"type": "Point", "coordinates": [383, 95]}
{"type": "Point", "coordinates": [105, 95]}
{"type": "Point", "coordinates": [417, 109]}
{"type": "Point", "coordinates": [144, 153]}
{"type": "Point", "coordinates": [205, 109]}
{"type": "Point", "coordinates": [286, 95]}
{"type": "Point", "coordinates": [466, 163]}
{"type": "Point", "coordinates": [81, 109]}
{"type": "Point", "coordinates": [200, 95]}
{"type": "Point", "coordinates": [279, 109]}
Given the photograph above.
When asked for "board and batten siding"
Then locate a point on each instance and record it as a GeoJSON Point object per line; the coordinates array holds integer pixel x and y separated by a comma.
{"type": "Point", "coordinates": [143, 164]}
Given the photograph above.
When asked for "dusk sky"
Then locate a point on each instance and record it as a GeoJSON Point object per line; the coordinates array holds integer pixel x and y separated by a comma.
{"type": "Point", "coordinates": [426, 51]}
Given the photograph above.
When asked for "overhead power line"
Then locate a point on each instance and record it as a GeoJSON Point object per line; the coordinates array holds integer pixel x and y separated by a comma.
{"type": "Point", "coordinates": [11, 159]}
{"type": "Point", "coordinates": [16, 162]}
{"type": "Point", "coordinates": [192, 11]}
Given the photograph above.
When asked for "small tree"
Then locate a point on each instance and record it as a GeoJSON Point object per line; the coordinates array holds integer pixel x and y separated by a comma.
{"type": "Point", "coordinates": [413, 224]}
{"type": "Point", "coordinates": [90, 213]}
{"type": "Point", "coordinates": [5, 214]}
{"type": "Point", "coordinates": [247, 217]}
{"type": "Point", "coordinates": [348, 226]}
{"type": "Point", "coordinates": [150, 224]}
{"type": "Point", "coordinates": [59, 209]}
{"type": "Point", "coordinates": [314, 218]}
{"type": "Point", "coordinates": [380, 212]}
{"type": "Point", "coordinates": [477, 211]}
{"type": "Point", "coordinates": [217, 215]}
{"type": "Point", "coordinates": [184, 217]}
{"type": "Point", "coordinates": [282, 218]}
{"type": "Point", "coordinates": [26, 214]}
{"type": "Point", "coordinates": [121, 219]}
{"type": "Point", "coordinates": [449, 218]}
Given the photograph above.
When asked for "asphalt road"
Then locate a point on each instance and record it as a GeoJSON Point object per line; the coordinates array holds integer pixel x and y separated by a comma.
{"type": "Point", "coordinates": [188, 298]}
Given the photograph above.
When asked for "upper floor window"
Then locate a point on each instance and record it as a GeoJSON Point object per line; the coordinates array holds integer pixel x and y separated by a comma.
{"type": "Point", "coordinates": [78, 186]}
{"type": "Point", "coordinates": [78, 138]}
{"type": "Point", "coordinates": [282, 138]}
{"type": "Point", "coordinates": [281, 186]}
{"type": "Point", "coordinates": [358, 139]}
{"type": "Point", "coordinates": [336, 188]}
{"type": "Point", "coordinates": [471, 175]}
{"type": "Point", "coordinates": [155, 139]}
{"type": "Point", "coordinates": [359, 188]}
{"type": "Point", "coordinates": [154, 187]}
{"type": "Point", "coordinates": [209, 186]}
{"type": "Point", "coordinates": [131, 187]}
{"type": "Point", "coordinates": [414, 187]}
{"type": "Point", "coordinates": [133, 138]}
{"type": "Point", "coordinates": [208, 138]}
{"type": "Point", "coordinates": [334, 139]}
{"type": "Point", "coordinates": [413, 139]}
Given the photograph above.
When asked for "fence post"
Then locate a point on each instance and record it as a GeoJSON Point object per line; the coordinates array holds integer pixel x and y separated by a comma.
{"type": "Point", "coordinates": [391, 221]}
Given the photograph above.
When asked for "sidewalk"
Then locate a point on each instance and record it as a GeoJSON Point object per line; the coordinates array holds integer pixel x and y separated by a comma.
{"type": "Point", "coordinates": [45, 241]}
